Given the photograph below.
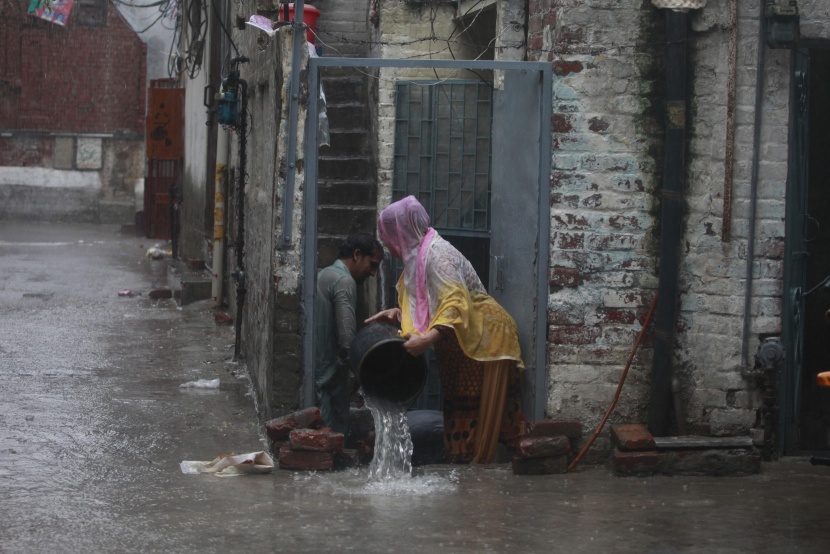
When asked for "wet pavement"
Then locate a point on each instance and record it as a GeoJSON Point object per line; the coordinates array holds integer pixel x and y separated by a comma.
{"type": "Point", "coordinates": [94, 425]}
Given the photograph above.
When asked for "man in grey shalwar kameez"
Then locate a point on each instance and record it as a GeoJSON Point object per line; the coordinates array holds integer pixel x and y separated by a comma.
{"type": "Point", "coordinates": [334, 316]}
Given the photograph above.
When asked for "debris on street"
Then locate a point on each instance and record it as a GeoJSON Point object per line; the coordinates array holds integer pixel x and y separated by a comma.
{"type": "Point", "coordinates": [201, 384]}
{"type": "Point", "coordinates": [231, 464]}
{"type": "Point", "coordinates": [158, 253]}
{"type": "Point", "coordinates": [129, 293]}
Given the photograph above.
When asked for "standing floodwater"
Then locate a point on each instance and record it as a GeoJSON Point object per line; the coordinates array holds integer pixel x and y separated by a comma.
{"type": "Point", "coordinates": [393, 443]}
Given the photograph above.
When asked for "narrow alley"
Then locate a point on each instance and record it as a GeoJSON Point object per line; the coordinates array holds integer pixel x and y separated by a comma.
{"type": "Point", "coordinates": [94, 425]}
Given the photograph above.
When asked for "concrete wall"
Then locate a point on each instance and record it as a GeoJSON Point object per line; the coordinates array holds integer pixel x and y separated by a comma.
{"type": "Point", "coordinates": [194, 231]}
{"type": "Point", "coordinates": [341, 28]}
{"type": "Point", "coordinates": [48, 177]}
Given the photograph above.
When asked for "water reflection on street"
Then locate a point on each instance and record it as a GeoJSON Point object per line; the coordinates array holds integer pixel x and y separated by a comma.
{"type": "Point", "coordinates": [94, 425]}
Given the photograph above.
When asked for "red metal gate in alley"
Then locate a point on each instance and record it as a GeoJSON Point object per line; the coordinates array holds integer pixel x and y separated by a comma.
{"type": "Point", "coordinates": [164, 137]}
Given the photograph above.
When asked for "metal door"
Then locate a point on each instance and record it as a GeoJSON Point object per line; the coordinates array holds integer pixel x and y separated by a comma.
{"type": "Point", "coordinates": [164, 150]}
{"type": "Point", "coordinates": [516, 228]}
{"type": "Point", "coordinates": [795, 255]}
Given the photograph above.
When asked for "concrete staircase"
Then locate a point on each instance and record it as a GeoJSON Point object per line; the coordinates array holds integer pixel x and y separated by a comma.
{"type": "Point", "coordinates": [347, 192]}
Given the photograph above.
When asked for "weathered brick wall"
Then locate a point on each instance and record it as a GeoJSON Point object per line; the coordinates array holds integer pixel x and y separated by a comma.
{"type": "Point", "coordinates": [607, 138]}
{"type": "Point", "coordinates": [608, 132]}
{"type": "Point", "coordinates": [79, 79]}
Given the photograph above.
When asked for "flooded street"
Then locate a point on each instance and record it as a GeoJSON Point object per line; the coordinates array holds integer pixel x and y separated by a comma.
{"type": "Point", "coordinates": [94, 425]}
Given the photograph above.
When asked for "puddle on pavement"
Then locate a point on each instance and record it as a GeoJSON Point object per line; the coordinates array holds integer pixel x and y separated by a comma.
{"type": "Point", "coordinates": [357, 482]}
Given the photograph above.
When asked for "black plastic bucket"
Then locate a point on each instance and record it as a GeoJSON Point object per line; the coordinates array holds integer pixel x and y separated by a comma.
{"type": "Point", "coordinates": [383, 367]}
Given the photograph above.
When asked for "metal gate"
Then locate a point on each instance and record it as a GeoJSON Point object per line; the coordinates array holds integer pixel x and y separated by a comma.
{"type": "Point", "coordinates": [164, 139]}
{"type": "Point", "coordinates": [518, 210]}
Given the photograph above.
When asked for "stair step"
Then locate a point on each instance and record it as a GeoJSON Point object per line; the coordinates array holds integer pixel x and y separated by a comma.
{"type": "Point", "coordinates": [194, 284]}
{"type": "Point", "coordinates": [344, 168]}
{"type": "Point", "coordinates": [343, 90]}
{"type": "Point", "coordinates": [343, 221]}
{"type": "Point", "coordinates": [349, 142]}
{"type": "Point", "coordinates": [346, 116]}
{"type": "Point", "coordinates": [347, 193]}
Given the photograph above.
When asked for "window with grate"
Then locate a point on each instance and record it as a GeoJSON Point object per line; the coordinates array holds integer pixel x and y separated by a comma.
{"type": "Point", "coordinates": [442, 152]}
{"type": "Point", "coordinates": [442, 157]}
{"type": "Point", "coordinates": [91, 13]}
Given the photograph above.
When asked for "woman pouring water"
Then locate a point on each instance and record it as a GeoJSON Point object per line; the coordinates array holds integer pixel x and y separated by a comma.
{"type": "Point", "coordinates": [444, 305]}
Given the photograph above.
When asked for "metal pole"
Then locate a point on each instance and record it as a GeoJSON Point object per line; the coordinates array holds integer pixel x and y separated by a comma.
{"type": "Point", "coordinates": [293, 117]}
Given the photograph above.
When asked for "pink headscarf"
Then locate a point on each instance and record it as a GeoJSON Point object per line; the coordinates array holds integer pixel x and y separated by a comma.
{"type": "Point", "coordinates": [404, 228]}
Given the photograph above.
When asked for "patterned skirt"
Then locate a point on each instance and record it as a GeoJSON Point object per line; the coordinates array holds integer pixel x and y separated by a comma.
{"type": "Point", "coordinates": [482, 403]}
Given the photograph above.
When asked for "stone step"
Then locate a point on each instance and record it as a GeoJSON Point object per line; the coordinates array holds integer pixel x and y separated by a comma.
{"type": "Point", "coordinates": [344, 221]}
{"type": "Point", "coordinates": [345, 167]}
{"type": "Point", "coordinates": [343, 89]}
{"type": "Point", "coordinates": [348, 142]}
{"type": "Point", "coordinates": [691, 442]}
{"type": "Point", "coordinates": [194, 283]}
{"type": "Point", "coordinates": [713, 462]}
{"type": "Point", "coordinates": [346, 193]}
{"type": "Point", "coordinates": [347, 116]}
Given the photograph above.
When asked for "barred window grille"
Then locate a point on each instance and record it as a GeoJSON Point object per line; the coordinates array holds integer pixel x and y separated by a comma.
{"type": "Point", "coordinates": [442, 152]}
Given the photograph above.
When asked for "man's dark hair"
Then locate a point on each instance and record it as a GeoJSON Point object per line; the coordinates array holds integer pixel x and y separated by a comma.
{"type": "Point", "coordinates": [366, 243]}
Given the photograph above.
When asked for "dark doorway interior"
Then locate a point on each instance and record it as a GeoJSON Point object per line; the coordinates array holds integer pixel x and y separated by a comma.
{"type": "Point", "coordinates": [814, 413]}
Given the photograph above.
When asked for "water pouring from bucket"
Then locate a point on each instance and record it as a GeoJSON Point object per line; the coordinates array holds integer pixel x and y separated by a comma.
{"type": "Point", "coordinates": [391, 380]}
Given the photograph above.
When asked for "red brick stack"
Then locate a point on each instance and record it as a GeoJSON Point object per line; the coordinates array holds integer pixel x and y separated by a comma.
{"type": "Point", "coordinates": [635, 452]}
{"type": "Point", "coordinates": [547, 446]}
{"type": "Point", "coordinates": [300, 442]}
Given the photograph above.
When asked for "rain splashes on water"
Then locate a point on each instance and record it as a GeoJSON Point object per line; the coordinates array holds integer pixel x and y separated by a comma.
{"type": "Point", "coordinates": [390, 472]}
{"type": "Point", "coordinates": [393, 443]}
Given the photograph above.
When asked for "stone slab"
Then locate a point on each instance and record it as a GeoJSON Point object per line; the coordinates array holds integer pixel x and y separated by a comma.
{"type": "Point", "coordinates": [692, 441]}
{"type": "Point", "coordinates": [713, 463]}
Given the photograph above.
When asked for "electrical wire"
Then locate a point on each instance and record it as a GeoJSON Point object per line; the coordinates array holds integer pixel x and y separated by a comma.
{"type": "Point", "coordinates": [222, 24]}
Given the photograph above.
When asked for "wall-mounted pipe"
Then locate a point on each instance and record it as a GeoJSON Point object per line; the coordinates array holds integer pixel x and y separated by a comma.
{"type": "Point", "coordinates": [293, 120]}
{"type": "Point", "coordinates": [219, 196]}
{"type": "Point", "coordinates": [753, 185]}
{"type": "Point", "coordinates": [239, 272]}
{"type": "Point", "coordinates": [731, 78]}
{"type": "Point", "coordinates": [674, 177]}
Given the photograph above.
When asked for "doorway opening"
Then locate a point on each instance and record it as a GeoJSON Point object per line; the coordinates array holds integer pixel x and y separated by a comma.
{"type": "Point", "coordinates": [814, 406]}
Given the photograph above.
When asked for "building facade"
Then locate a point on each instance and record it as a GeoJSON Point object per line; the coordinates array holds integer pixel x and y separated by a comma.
{"type": "Point", "coordinates": [685, 168]}
{"type": "Point", "coordinates": [72, 108]}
